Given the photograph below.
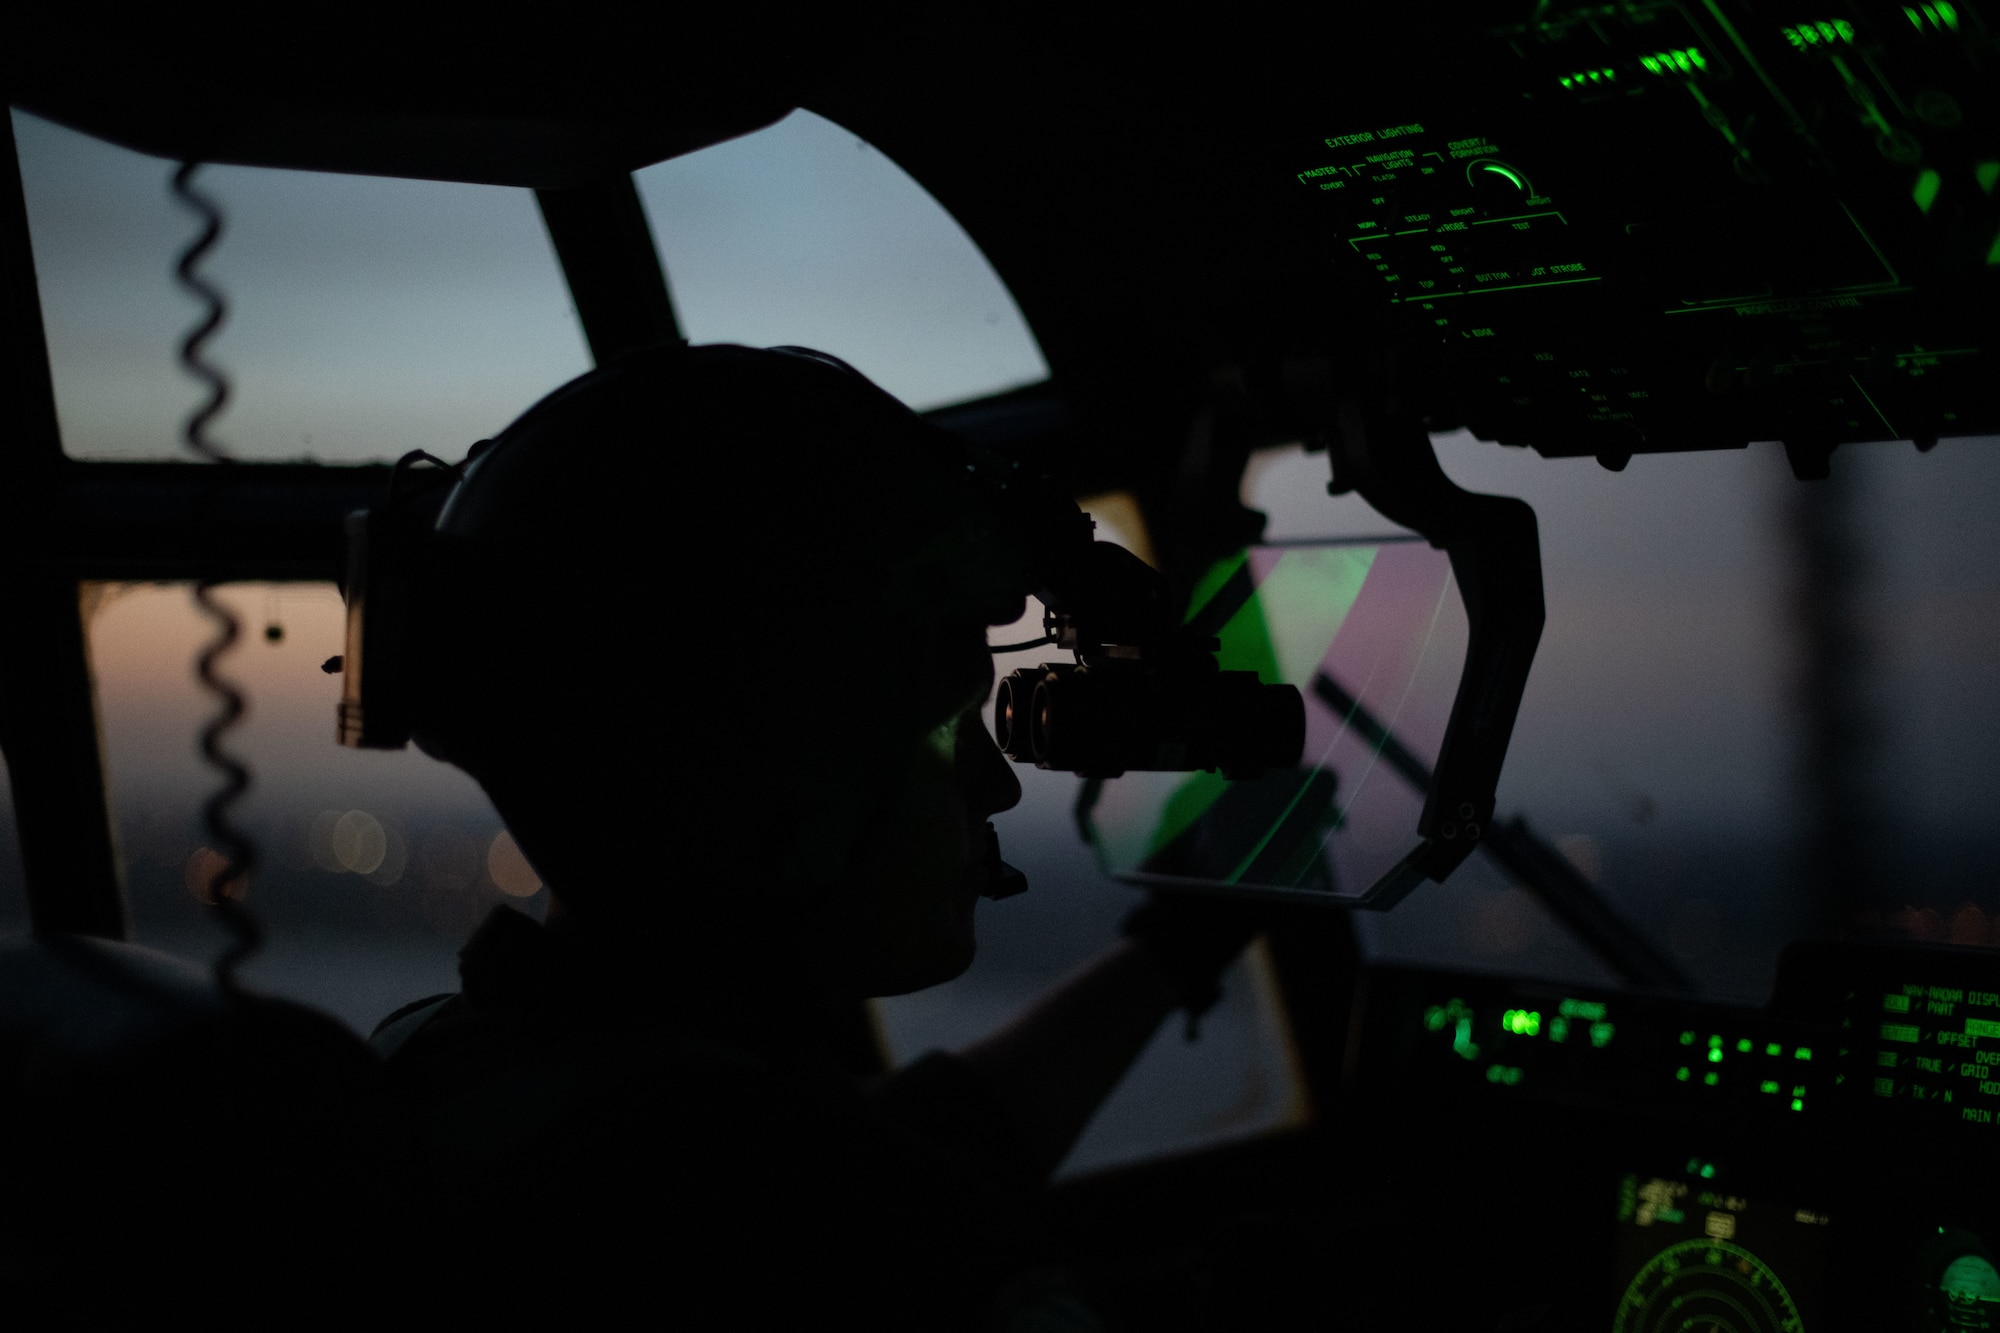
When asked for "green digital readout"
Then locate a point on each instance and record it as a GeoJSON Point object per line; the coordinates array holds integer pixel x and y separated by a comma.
{"type": "Point", "coordinates": [1929, 1043]}
{"type": "Point", "coordinates": [1585, 78]}
{"type": "Point", "coordinates": [1520, 1043]}
{"type": "Point", "coordinates": [1941, 16]}
{"type": "Point", "coordinates": [1685, 61]}
{"type": "Point", "coordinates": [1824, 33]}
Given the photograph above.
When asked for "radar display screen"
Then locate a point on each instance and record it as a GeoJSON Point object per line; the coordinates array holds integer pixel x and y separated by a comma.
{"type": "Point", "coordinates": [1693, 1253]}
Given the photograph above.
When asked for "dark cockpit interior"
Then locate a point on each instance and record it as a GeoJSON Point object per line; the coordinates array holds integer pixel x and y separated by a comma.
{"type": "Point", "coordinates": [1389, 244]}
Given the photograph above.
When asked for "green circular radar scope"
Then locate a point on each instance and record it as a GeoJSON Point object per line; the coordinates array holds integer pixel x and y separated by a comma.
{"type": "Point", "coordinates": [1706, 1286]}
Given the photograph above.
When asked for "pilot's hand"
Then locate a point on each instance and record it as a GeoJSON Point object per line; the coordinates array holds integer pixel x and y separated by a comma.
{"type": "Point", "coordinates": [1194, 937]}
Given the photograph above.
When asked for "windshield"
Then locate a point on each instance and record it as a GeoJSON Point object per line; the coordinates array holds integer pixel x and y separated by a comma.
{"type": "Point", "coordinates": [1760, 709]}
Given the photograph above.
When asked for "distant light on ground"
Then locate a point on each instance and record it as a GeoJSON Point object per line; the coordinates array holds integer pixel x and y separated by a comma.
{"type": "Point", "coordinates": [510, 870]}
{"type": "Point", "coordinates": [203, 865]}
{"type": "Point", "coordinates": [359, 842]}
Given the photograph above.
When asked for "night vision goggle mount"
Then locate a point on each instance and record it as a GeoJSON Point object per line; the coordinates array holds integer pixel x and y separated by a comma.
{"type": "Point", "coordinates": [1145, 691]}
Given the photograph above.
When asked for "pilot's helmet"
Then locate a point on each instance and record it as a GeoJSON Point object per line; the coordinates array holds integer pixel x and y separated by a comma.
{"type": "Point", "coordinates": [708, 593]}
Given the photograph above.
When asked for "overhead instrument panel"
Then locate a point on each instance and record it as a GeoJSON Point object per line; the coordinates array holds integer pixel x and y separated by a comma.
{"type": "Point", "coordinates": [1651, 226]}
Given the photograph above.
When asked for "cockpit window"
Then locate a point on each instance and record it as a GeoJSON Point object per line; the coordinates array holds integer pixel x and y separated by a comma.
{"type": "Point", "coordinates": [366, 316]}
{"type": "Point", "coordinates": [374, 866]}
{"type": "Point", "coordinates": [804, 234]}
{"type": "Point", "coordinates": [1713, 626]}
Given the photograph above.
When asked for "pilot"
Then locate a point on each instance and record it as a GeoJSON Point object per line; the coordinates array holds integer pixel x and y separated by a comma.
{"type": "Point", "coordinates": [709, 627]}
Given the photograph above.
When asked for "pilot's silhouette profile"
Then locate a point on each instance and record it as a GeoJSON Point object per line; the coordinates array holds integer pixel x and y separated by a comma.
{"type": "Point", "coordinates": [733, 718]}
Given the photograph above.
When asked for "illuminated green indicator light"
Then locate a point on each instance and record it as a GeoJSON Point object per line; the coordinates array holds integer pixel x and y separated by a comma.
{"type": "Point", "coordinates": [1798, 1105]}
{"type": "Point", "coordinates": [1769, 1085]}
{"type": "Point", "coordinates": [1981, 1027]}
{"type": "Point", "coordinates": [1559, 1029]}
{"type": "Point", "coordinates": [1687, 1038]}
{"type": "Point", "coordinates": [1904, 1031]}
{"type": "Point", "coordinates": [1522, 1022]}
{"type": "Point", "coordinates": [1802, 1053]}
{"type": "Point", "coordinates": [1683, 1073]}
{"type": "Point", "coordinates": [1743, 1045]}
{"type": "Point", "coordinates": [1988, 175]}
{"type": "Point", "coordinates": [1798, 1090]}
{"type": "Point", "coordinates": [1708, 1170]}
{"type": "Point", "coordinates": [1601, 1034]}
{"type": "Point", "coordinates": [1715, 1055]}
{"type": "Point", "coordinates": [1943, 16]}
{"type": "Point", "coordinates": [1926, 192]}
{"type": "Point", "coordinates": [1505, 1074]}
{"type": "Point", "coordinates": [1506, 173]}
{"type": "Point", "coordinates": [1885, 1087]}
{"type": "Point", "coordinates": [1715, 1041]}
{"type": "Point", "coordinates": [1897, 1003]}
{"type": "Point", "coordinates": [1711, 1078]}
{"type": "Point", "coordinates": [1774, 1049]}
{"type": "Point", "coordinates": [1592, 1010]}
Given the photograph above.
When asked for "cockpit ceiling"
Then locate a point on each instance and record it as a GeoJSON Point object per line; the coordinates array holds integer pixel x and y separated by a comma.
{"type": "Point", "coordinates": [1608, 231]}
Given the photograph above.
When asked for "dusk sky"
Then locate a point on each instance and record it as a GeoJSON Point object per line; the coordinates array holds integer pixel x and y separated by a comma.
{"type": "Point", "coordinates": [371, 316]}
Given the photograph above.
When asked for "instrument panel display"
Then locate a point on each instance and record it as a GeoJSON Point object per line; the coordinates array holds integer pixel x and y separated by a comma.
{"type": "Point", "coordinates": [1837, 1140]}
{"type": "Point", "coordinates": [1695, 1254]}
{"type": "Point", "coordinates": [1660, 225]}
